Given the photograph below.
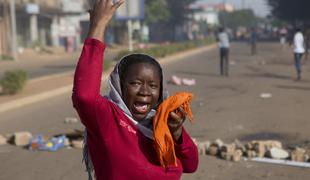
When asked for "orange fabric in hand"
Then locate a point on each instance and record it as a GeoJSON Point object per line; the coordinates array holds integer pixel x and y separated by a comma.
{"type": "Point", "coordinates": [164, 144]}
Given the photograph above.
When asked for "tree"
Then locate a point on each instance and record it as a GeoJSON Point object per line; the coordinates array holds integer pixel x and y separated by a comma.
{"type": "Point", "coordinates": [155, 11]}
{"type": "Point", "coordinates": [179, 15]}
{"type": "Point", "coordinates": [179, 11]}
{"type": "Point", "coordinates": [234, 19]}
{"type": "Point", "coordinates": [294, 11]}
{"type": "Point", "coordinates": [172, 11]}
{"type": "Point", "coordinates": [165, 16]}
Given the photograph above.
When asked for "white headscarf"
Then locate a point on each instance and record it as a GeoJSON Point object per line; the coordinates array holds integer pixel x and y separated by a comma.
{"type": "Point", "coordinates": [115, 95]}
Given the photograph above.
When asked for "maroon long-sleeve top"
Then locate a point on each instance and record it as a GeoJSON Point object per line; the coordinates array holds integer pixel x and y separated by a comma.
{"type": "Point", "coordinates": [118, 150]}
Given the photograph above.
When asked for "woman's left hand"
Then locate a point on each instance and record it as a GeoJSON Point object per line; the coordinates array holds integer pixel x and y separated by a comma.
{"type": "Point", "coordinates": [175, 123]}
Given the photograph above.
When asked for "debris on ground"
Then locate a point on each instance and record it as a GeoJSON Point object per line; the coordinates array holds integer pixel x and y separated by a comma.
{"type": "Point", "coordinates": [22, 138]}
{"type": "Point", "coordinates": [236, 151]}
{"type": "Point", "coordinates": [277, 153]}
{"type": "Point", "coordinates": [77, 144]}
{"type": "Point", "coordinates": [40, 143]}
{"type": "Point", "coordinates": [232, 63]}
{"type": "Point", "coordinates": [176, 80]}
{"type": "Point", "coordinates": [188, 82]}
{"type": "Point", "coordinates": [265, 95]}
{"type": "Point", "coordinates": [182, 81]}
{"type": "Point", "coordinates": [3, 140]}
{"type": "Point", "coordinates": [299, 154]}
{"type": "Point", "coordinates": [71, 120]}
{"type": "Point", "coordinates": [270, 151]}
{"type": "Point", "coordinates": [282, 162]}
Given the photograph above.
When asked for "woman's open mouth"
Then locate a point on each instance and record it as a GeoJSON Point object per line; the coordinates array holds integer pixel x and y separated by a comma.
{"type": "Point", "coordinates": [141, 108]}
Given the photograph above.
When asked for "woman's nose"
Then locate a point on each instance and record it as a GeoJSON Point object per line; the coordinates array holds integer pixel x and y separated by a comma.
{"type": "Point", "coordinates": [144, 90]}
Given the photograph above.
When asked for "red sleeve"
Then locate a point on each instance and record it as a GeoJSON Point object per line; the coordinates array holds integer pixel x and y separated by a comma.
{"type": "Point", "coordinates": [87, 81]}
{"type": "Point", "coordinates": [187, 153]}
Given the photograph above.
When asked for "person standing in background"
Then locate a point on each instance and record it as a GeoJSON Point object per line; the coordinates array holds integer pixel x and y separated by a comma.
{"type": "Point", "coordinates": [253, 39]}
{"type": "Point", "coordinates": [299, 50]}
{"type": "Point", "coordinates": [283, 36]}
{"type": "Point", "coordinates": [224, 45]}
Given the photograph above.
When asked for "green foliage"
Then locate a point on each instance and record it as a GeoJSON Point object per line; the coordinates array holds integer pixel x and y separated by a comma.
{"type": "Point", "coordinates": [179, 10]}
{"type": "Point", "coordinates": [297, 10]}
{"type": "Point", "coordinates": [37, 44]}
{"type": "Point", "coordinates": [106, 64]}
{"type": "Point", "coordinates": [234, 19]}
{"type": "Point", "coordinates": [172, 11]}
{"type": "Point", "coordinates": [6, 57]}
{"type": "Point", "coordinates": [155, 11]}
{"type": "Point", "coordinates": [13, 81]}
{"type": "Point", "coordinates": [278, 22]}
{"type": "Point", "coordinates": [160, 51]}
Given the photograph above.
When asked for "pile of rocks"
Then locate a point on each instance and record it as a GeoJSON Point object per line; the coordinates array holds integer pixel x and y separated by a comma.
{"type": "Point", "coordinates": [235, 151]}
{"type": "Point", "coordinates": [23, 138]}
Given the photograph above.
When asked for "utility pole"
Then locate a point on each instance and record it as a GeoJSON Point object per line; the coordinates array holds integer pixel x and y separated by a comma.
{"type": "Point", "coordinates": [1, 53]}
{"type": "Point", "coordinates": [13, 29]}
{"type": "Point", "coordinates": [129, 26]}
{"type": "Point", "coordinates": [130, 43]}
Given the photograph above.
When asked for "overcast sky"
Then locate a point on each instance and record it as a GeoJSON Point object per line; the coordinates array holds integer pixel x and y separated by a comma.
{"type": "Point", "coordinates": [260, 7]}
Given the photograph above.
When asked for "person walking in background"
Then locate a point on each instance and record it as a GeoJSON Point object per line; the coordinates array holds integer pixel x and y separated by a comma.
{"type": "Point", "coordinates": [224, 45]}
{"type": "Point", "coordinates": [283, 36]}
{"type": "Point", "coordinates": [253, 40]}
{"type": "Point", "coordinates": [299, 50]}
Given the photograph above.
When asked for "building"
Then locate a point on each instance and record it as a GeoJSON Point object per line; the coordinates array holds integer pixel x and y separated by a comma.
{"type": "Point", "coordinates": [209, 13]}
{"type": "Point", "coordinates": [41, 23]}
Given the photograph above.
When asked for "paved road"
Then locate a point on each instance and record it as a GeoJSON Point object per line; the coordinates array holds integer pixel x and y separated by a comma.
{"type": "Point", "coordinates": [64, 63]}
{"type": "Point", "coordinates": [226, 108]}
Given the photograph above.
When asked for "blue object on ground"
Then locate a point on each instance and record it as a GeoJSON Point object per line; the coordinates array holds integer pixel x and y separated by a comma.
{"type": "Point", "coordinates": [38, 143]}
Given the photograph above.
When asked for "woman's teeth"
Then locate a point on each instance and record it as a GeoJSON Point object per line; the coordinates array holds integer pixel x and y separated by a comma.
{"type": "Point", "coordinates": [141, 108]}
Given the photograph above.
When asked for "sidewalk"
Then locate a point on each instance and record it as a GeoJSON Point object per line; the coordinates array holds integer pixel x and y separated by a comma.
{"type": "Point", "coordinates": [40, 89]}
{"type": "Point", "coordinates": [30, 60]}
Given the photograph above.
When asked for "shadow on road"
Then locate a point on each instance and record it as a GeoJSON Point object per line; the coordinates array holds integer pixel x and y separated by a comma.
{"type": "Point", "coordinates": [266, 136]}
{"type": "Point", "coordinates": [260, 73]}
{"type": "Point", "coordinates": [60, 67]}
{"type": "Point", "coordinates": [293, 87]}
{"type": "Point", "coordinates": [268, 75]}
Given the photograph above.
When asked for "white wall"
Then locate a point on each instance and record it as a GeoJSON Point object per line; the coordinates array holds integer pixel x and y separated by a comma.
{"type": "Point", "coordinates": [210, 17]}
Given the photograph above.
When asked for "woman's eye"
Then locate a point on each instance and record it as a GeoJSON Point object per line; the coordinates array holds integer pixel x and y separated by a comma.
{"type": "Point", "coordinates": [153, 86]}
{"type": "Point", "coordinates": [135, 83]}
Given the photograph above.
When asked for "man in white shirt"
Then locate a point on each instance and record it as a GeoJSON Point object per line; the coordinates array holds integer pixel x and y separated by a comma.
{"type": "Point", "coordinates": [298, 51]}
{"type": "Point", "coordinates": [223, 41]}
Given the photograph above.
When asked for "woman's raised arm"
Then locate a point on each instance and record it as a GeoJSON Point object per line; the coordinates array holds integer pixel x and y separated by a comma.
{"type": "Point", "coordinates": [87, 78]}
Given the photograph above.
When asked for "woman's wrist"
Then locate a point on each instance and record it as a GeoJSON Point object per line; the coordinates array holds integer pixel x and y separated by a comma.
{"type": "Point", "coordinates": [177, 135]}
{"type": "Point", "coordinates": [97, 33]}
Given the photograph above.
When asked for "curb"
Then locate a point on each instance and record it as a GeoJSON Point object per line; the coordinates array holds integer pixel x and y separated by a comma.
{"type": "Point", "coordinates": [43, 78]}
{"type": "Point", "coordinates": [65, 89]}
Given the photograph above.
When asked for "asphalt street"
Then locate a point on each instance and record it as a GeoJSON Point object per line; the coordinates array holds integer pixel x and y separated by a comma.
{"type": "Point", "coordinates": [228, 108]}
{"type": "Point", "coordinates": [58, 64]}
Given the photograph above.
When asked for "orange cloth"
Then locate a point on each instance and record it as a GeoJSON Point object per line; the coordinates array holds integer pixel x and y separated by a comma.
{"type": "Point", "coordinates": [164, 144]}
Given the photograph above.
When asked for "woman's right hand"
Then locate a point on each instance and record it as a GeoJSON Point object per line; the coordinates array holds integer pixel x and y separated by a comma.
{"type": "Point", "coordinates": [100, 16]}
